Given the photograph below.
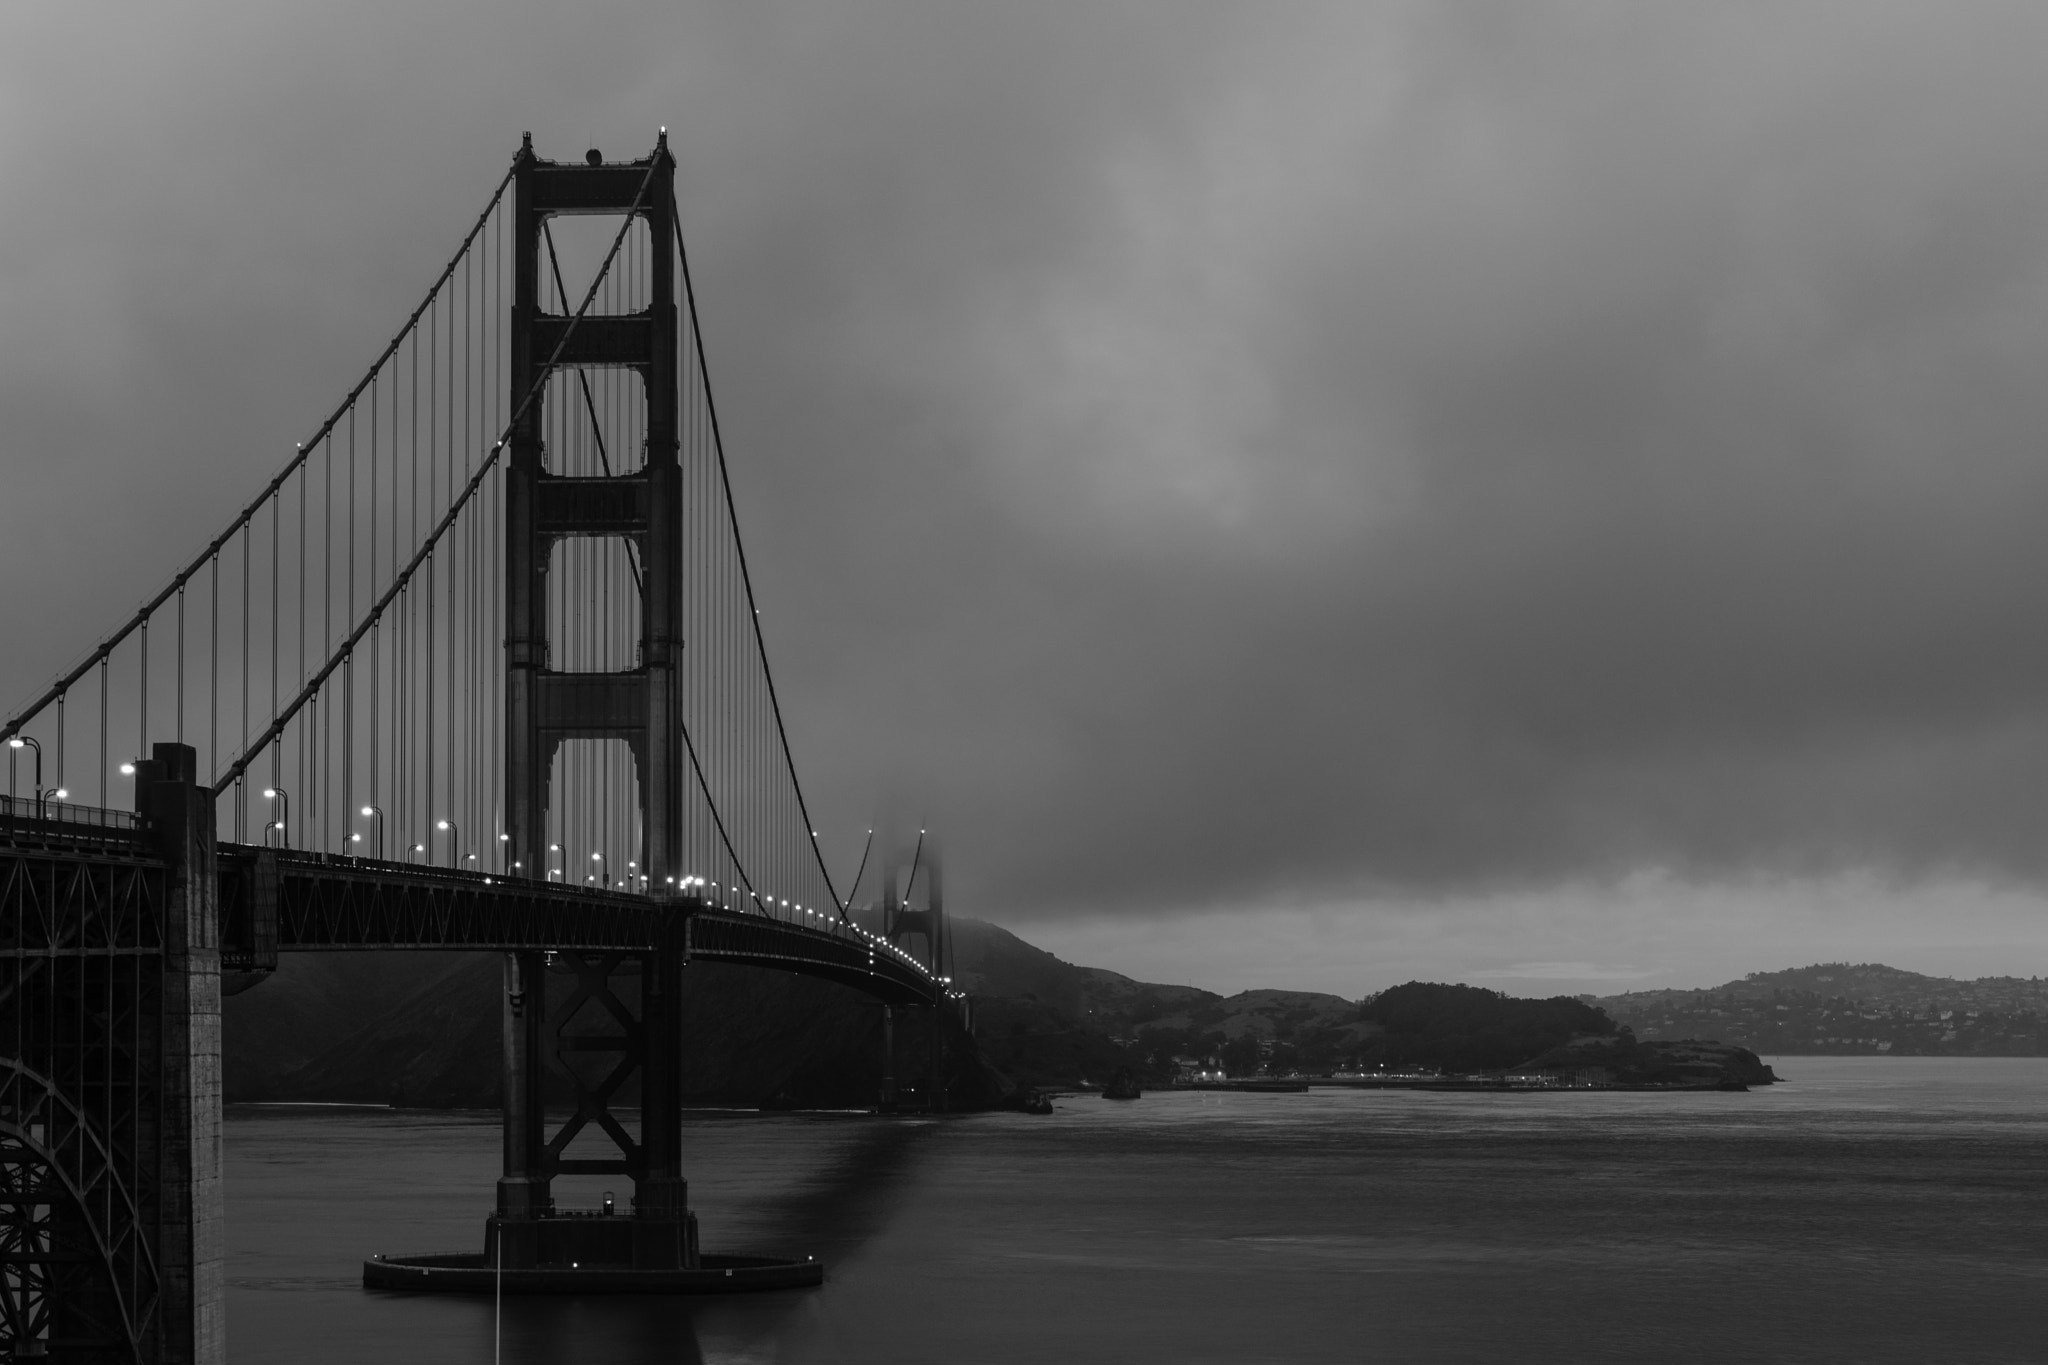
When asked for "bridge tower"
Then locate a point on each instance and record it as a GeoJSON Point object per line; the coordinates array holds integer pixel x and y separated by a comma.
{"type": "Point", "coordinates": [546, 707]}
{"type": "Point", "coordinates": [902, 920]}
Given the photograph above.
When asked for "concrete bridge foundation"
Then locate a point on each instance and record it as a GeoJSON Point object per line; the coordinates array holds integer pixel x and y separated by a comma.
{"type": "Point", "coordinates": [178, 810]}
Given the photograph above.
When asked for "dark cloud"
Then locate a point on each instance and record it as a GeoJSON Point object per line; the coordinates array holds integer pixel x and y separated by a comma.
{"type": "Point", "coordinates": [1191, 456]}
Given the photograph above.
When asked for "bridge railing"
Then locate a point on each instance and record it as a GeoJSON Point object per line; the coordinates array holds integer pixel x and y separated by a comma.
{"type": "Point", "coordinates": [18, 808]}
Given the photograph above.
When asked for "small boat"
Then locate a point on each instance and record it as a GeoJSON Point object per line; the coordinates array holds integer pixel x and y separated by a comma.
{"type": "Point", "coordinates": [1122, 1086]}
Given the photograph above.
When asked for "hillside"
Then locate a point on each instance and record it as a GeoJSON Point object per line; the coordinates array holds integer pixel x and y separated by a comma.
{"type": "Point", "coordinates": [1850, 1009]}
{"type": "Point", "coordinates": [424, 1029]}
{"type": "Point", "coordinates": [1044, 1021]}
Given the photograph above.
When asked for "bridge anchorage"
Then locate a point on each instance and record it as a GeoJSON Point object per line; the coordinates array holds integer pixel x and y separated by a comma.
{"type": "Point", "coordinates": [480, 669]}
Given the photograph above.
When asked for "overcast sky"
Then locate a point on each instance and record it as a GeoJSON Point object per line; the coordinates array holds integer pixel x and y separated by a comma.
{"type": "Point", "coordinates": [1550, 495]}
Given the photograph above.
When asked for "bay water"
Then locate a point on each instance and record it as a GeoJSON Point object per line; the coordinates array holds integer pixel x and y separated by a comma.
{"type": "Point", "coordinates": [1868, 1210]}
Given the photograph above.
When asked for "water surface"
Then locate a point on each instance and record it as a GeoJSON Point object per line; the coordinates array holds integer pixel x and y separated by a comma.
{"type": "Point", "coordinates": [1874, 1209]}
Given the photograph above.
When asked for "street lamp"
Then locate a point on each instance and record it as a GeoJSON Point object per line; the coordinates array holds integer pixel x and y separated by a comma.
{"type": "Point", "coordinates": [378, 813]}
{"type": "Point", "coordinates": [416, 848]}
{"type": "Point", "coordinates": [18, 742]}
{"type": "Point", "coordinates": [454, 841]}
{"type": "Point", "coordinates": [284, 815]}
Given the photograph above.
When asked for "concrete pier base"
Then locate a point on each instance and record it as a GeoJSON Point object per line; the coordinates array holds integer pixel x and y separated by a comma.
{"type": "Point", "coordinates": [190, 1245]}
{"type": "Point", "coordinates": [562, 1241]}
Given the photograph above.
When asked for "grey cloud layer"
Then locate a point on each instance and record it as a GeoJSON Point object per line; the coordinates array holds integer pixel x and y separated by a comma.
{"type": "Point", "coordinates": [1195, 456]}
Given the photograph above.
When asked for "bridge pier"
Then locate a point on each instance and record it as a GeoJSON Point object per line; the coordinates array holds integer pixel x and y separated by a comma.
{"type": "Point", "coordinates": [110, 1091]}
{"type": "Point", "coordinates": [935, 1064]}
{"type": "Point", "coordinates": [888, 1103]}
{"type": "Point", "coordinates": [523, 1196]}
{"type": "Point", "coordinates": [527, 1231]}
{"type": "Point", "coordinates": [190, 1249]}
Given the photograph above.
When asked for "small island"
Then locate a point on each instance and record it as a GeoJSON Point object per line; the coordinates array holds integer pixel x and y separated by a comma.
{"type": "Point", "coordinates": [1434, 1036]}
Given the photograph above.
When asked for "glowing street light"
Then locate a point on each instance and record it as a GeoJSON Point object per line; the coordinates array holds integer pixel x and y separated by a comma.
{"type": "Point", "coordinates": [454, 841]}
{"type": "Point", "coordinates": [284, 813]}
{"type": "Point", "coordinates": [377, 813]}
{"type": "Point", "coordinates": [25, 741]}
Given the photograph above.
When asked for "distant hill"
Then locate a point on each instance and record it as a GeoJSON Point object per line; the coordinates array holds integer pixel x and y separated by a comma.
{"type": "Point", "coordinates": [1850, 1009]}
{"type": "Point", "coordinates": [423, 1029]}
{"type": "Point", "coordinates": [1044, 1021]}
{"type": "Point", "coordinates": [425, 1024]}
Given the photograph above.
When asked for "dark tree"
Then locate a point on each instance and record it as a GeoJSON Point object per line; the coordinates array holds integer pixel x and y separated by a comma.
{"type": "Point", "coordinates": [1466, 1028]}
{"type": "Point", "coordinates": [1241, 1056]}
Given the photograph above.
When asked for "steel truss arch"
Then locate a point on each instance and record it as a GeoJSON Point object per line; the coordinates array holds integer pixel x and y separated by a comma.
{"type": "Point", "coordinates": [42, 1275]}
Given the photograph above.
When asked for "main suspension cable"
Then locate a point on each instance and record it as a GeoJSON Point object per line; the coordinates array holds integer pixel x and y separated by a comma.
{"type": "Point", "coordinates": [739, 551]}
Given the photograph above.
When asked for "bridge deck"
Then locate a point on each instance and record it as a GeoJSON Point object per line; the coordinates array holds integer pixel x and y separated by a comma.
{"type": "Point", "coordinates": [324, 902]}
{"type": "Point", "coordinates": [275, 900]}
{"type": "Point", "coordinates": [285, 900]}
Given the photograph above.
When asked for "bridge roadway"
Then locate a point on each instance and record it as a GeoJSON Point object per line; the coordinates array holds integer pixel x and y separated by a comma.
{"type": "Point", "coordinates": [323, 902]}
{"type": "Point", "coordinates": [283, 900]}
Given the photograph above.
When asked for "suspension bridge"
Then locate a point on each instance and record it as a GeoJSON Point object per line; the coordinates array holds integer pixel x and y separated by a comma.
{"type": "Point", "coordinates": [481, 667]}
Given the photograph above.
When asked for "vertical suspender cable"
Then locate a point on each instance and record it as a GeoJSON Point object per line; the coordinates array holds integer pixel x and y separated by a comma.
{"type": "Point", "coordinates": [275, 514]}
{"type": "Point", "coordinates": [427, 720]}
{"type": "Point", "coordinates": [306, 732]}
{"type": "Point", "coordinates": [213, 698]}
{"type": "Point", "coordinates": [375, 794]}
{"type": "Point", "coordinates": [241, 807]}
